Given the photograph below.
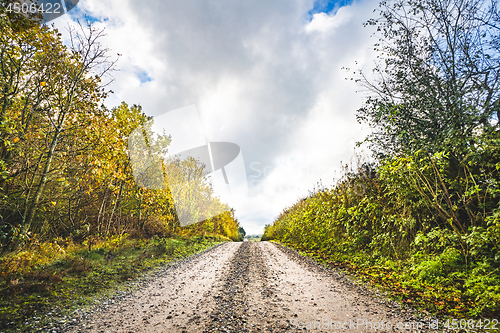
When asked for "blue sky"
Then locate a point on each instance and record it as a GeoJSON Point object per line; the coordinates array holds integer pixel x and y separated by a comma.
{"type": "Point", "coordinates": [328, 6]}
{"type": "Point", "coordinates": [144, 77]}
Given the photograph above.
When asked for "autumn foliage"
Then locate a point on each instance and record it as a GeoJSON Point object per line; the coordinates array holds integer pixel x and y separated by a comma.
{"type": "Point", "coordinates": [64, 158]}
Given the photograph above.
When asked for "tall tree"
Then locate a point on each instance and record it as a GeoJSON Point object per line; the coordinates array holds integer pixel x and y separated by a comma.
{"type": "Point", "coordinates": [439, 78]}
{"type": "Point", "coordinates": [48, 90]}
{"type": "Point", "coordinates": [73, 89]}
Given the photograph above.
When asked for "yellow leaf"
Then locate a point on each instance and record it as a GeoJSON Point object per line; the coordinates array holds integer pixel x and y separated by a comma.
{"type": "Point", "coordinates": [53, 203]}
{"type": "Point", "coordinates": [43, 83]}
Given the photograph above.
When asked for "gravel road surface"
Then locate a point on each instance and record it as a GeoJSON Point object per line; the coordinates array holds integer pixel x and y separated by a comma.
{"type": "Point", "coordinates": [250, 287]}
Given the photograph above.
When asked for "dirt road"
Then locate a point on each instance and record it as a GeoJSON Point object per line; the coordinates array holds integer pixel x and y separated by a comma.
{"type": "Point", "coordinates": [250, 287]}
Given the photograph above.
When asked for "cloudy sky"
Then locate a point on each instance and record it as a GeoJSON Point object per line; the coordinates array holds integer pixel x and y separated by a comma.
{"type": "Point", "coordinates": [266, 75]}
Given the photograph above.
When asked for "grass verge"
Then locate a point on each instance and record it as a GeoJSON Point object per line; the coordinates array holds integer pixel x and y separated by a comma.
{"type": "Point", "coordinates": [399, 280]}
{"type": "Point", "coordinates": [53, 279]}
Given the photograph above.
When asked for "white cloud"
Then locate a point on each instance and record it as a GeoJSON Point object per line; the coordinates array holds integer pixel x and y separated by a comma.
{"type": "Point", "coordinates": [261, 74]}
{"type": "Point", "coordinates": [324, 23]}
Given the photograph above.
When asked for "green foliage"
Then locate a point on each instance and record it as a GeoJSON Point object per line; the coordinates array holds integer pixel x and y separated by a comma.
{"type": "Point", "coordinates": [424, 222]}
{"type": "Point", "coordinates": [165, 246]}
{"type": "Point", "coordinates": [437, 75]}
{"type": "Point", "coordinates": [437, 236]}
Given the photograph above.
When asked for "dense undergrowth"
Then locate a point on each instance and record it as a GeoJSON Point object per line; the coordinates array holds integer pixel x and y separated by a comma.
{"type": "Point", "coordinates": [422, 220]}
{"type": "Point", "coordinates": [58, 277]}
{"type": "Point", "coordinates": [430, 238]}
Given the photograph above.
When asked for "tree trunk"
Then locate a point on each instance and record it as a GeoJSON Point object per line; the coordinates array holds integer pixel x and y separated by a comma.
{"type": "Point", "coordinates": [114, 206]}
{"type": "Point", "coordinates": [101, 211]}
{"type": "Point", "coordinates": [41, 185]}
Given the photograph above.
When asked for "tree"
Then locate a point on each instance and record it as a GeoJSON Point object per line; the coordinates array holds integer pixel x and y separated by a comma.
{"type": "Point", "coordinates": [49, 91]}
{"type": "Point", "coordinates": [439, 75]}
{"type": "Point", "coordinates": [74, 90]}
{"type": "Point", "coordinates": [242, 232]}
{"type": "Point", "coordinates": [66, 160]}
{"type": "Point", "coordinates": [435, 108]}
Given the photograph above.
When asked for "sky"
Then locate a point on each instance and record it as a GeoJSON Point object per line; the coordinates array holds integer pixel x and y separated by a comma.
{"type": "Point", "coordinates": [265, 75]}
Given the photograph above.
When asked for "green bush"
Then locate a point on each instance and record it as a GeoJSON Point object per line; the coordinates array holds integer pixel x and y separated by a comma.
{"type": "Point", "coordinates": [436, 215]}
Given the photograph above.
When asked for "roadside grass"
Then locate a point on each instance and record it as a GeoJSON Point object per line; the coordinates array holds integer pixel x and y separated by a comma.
{"type": "Point", "coordinates": [61, 277]}
{"type": "Point", "coordinates": [441, 295]}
